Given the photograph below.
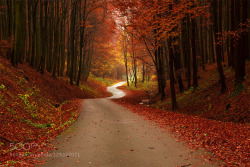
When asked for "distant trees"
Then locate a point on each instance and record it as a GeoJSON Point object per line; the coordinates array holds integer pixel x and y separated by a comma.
{"type": "Point", "coordinates": [183, 36]}
{"type": "Point", "coordinates": [54, 36]}
{"type": "Point", "coordinates": [134, 56]}
{"type": "Point", "coordinates": [124, 41]}
{"type": "Point", "coordinates": [176, 37]}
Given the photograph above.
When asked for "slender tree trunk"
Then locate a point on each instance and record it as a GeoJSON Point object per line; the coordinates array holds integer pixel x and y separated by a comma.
{"type": "Point", "coordinates": [143, 72]}
{"type": "Point", "coordinates": [82, 34]}
{"type": "Point", "coordinates": [188, 55]}
{"type": "Point", "coordinates": [34, 33]}
{"type": "Point", "coordinates": [68, 52]}
{"type": "Point", "coordinates": [43, 32]}
{"type": "Point", "coordinates": [178, 67]}
{"type": "Point", "coordinates": [125, 53]}
{"type": "Point", "coordinates": [171, 76]}
{"type": "Point", "coordinates": [20, 22]}
{"type": "Point", "coordinates": [230, 3]}
{"type": "Point", "coordinates": [51, 39]}
{"type": "Point", "coordinates": [126, 66]}
{"type": "Point", "coordinates": [38, 39]}
{"type": "Point", "coordinates": [72, 46]}
{"type": "Point", "coordinates": [134, 61]}
{"type": "Point", "coordinates": [160, 73]}
{"type": "Point", "coordinates": [10, 25]}
{"type": "Point", "coordinates": [217, 28]}
{"type": "Point", "coordinates": [193, 43]}
{"type": "Point", "coordinates": [201, 44]}
{"type": "Point", "coordinates": [241, 16]}
{"type": "Point", "coordinates": [62, 48]}
{"type": "Point", "coordinates": [29, 54]}
{"type": "Point", "coordinates": [56, 40]}
{"type": "Point", "coordinates": [232, 27]}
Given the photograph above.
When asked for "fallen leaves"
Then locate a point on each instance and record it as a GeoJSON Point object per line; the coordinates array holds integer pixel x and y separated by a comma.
{"type": "Point", "coordinates": [35, 108]}
{"type": "Point", "coordinates": [228, 141]}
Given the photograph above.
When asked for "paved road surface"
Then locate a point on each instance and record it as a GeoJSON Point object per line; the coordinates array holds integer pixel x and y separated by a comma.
{"type": "Point", "coordinates": [108, 135]}
{"type": "Point", "coordinates": [116, 92]}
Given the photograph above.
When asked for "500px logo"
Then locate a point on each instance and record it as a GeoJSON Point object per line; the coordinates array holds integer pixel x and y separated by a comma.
{"type": "Point", "coordinates": [23, 146]}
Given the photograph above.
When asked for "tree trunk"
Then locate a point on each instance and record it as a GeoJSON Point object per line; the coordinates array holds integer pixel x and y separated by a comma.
{"type": "Point", "coordinates": [10, 25]}
{"type": "Point", "coordinates": [82, 36]}
{"type": "Point", "coordinates": [241, 15]}
{"type": "Point", "coordinates": [188, 54]}
{"type": "Point", "coordinates": [72, 37]}
{"type": "Point", "coordinates": [171, 75]}
{"type": "Point", "coordinates": [178, 68]}
{"type": "Point", "coordinates": [201, 44]}
{"type": "Point", "coordinates": [217, 29]}
{"type": "Point", "coordinates": [193, 43]}
{"type": "Point", "coordinates": [62, 48]}
{"type": "Point", "coordinates": [20, 22]}
{"type": "Point", "coordinates": [125, 53]}
{"type": "Point", "coordinates": [134, 61]}
{"type": "Point", "coordinates": [143, 72]}
{"type": "Point", "coordinates": [43, 32]}
{"type": "Point", "coordinates": [56, 40]}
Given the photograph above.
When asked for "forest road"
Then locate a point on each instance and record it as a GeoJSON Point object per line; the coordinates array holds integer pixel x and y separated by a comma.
{"type": "Point", "coordinates": [109, 135]}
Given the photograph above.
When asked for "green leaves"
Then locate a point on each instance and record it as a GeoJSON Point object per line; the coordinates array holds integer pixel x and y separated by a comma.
{"type": "Point", "coordinates": [38, 125]}
{"type": "Point", "coordinates": [2, 87]}
{"type": "Point", "coordinates": [30, 108]}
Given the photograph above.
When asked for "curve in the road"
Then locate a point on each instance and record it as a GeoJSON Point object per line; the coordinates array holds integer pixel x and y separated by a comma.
{"type": "Point", "coordinates": [116, 92]}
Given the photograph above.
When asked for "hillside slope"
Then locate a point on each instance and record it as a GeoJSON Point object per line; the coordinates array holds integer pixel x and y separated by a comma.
{"type": "Point", "coordinates": [205, 119]}
{"type": "Point", "coordinates": [206, 101]}
{"type": "Point", "coordinates": [34, 109]}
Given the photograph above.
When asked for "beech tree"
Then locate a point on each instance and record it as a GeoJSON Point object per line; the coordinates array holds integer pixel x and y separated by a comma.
{"type": "Point", "coordinates": [179, 38]}
{"type": "Point", "coordinates": [51, 35]}
{"type": "Point", "coordinates": [198, 32]}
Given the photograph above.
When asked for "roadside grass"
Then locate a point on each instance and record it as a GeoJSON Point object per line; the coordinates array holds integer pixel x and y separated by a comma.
{"type": "Point", "coordinates": [104, 82]}
{"type": "Point", "coordinates": [149, 86]}
{"type": "Point", "coordinates": [85, 87]}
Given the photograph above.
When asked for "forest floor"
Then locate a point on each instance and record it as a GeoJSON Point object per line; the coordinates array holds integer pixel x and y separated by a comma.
{"type": "Point", "coordinates": [205, 118]}
{"type": "Point", "coordinates": [36, 108]}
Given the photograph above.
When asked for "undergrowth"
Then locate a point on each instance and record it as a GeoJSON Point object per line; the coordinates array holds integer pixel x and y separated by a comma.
{"type": "Point", "coordinates": [103, 81]}
{"type": "Point", "coordinates": [207, 101]}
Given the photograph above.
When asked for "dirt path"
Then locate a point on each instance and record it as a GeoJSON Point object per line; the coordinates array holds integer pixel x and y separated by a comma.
{"type": "Point", "coordinates": [108, 135]}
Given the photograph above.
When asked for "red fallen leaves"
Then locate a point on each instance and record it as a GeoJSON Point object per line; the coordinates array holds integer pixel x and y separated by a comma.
{"type": "Point", "coordinates": [32, 153]}
{"type": "Point", "coordinates": [228, 141]}
{"type": "Point", "coordinates": [132, 97]}
{"type": "Point", "coordinates": [27, 116]}
{"type": "Point", "coordinates": [208, 102]}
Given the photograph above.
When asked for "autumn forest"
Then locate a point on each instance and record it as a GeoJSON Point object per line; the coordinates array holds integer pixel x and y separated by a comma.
{"type": "Point", "coordinates": [182, 64]}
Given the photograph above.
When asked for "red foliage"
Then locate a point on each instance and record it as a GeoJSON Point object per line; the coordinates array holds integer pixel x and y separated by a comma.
{"type": "Point", "coordinates": [34, 109]}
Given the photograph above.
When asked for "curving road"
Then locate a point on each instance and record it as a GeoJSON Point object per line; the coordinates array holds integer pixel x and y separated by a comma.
{"type": "Point", "coordinates": [108, 135]}
{"type": "Point", "coordinates": [116, 92]}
